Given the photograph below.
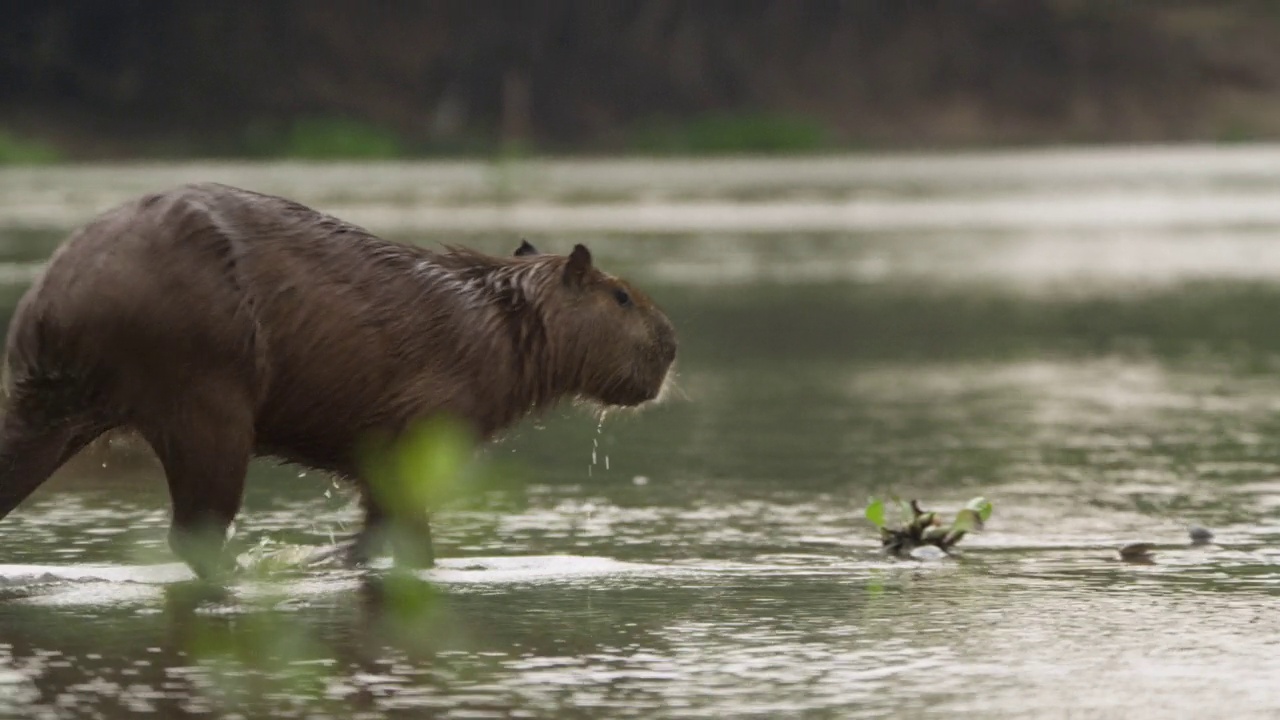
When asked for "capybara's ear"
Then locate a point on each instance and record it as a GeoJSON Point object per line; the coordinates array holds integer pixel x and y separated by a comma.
{"type": "Point", "coordinates": [526, 248]}
{"type": "Point", "coordinates": [575, 271]}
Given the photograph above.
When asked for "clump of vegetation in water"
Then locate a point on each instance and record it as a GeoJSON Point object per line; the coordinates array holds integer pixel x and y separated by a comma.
{"type": "Point", "coordinates": [921, 527]}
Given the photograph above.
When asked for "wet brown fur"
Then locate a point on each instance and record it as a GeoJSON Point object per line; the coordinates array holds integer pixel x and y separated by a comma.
{"type": "Point", "coordinates": [221, 324]}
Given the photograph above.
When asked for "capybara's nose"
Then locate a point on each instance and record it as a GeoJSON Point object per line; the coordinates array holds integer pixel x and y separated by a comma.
{"type": "Point", "coordinates": [666, 333]}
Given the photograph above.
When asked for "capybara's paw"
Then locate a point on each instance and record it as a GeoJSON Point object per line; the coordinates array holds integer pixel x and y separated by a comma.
{"type": "Point", "coordinates": [203, 552]}
{"type": "Point", "coordinates": [418, 555]}
{"type": "Point", "coordinates": [212, 569]}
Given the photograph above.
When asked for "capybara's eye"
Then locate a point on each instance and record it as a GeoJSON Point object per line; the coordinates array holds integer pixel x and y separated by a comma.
{"type": "Point", "coordinates": [623, 298]}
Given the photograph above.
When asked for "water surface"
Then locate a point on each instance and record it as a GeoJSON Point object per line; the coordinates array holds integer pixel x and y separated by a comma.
{"type": "Point", "coordinates": [1104, 376]}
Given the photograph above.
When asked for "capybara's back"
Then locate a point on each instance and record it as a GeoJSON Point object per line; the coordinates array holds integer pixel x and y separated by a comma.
{"type": "Point", "coordinates": [221, 324]}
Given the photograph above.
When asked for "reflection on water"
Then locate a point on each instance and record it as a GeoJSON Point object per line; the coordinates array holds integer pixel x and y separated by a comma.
{"type": "Point", "coordinates": [708, 558]}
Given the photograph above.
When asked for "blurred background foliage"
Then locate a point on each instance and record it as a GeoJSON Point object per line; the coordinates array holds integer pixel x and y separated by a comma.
{"type": "Point", "coordinates": [306, 79]}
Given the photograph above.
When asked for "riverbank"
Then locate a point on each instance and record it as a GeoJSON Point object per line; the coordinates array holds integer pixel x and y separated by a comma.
{"type": "Point", "coordinates": [295, 79]}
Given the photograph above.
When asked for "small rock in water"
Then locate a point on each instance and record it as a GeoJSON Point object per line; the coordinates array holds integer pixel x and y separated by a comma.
{"type": "Point", "coordinates": [1137, 552]}
{"type": "Point", "coordinates": [928, 553]}
{"type": "Point", "coordinates": [1200, 535]}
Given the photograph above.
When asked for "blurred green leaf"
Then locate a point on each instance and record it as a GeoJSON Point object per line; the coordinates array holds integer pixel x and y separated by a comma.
{"type": "Point", "coordinates": [256, 653]}
{"type": "Point", "coordinates": [904, 509]}
{"type": "Point", "coordinates": [966, 520]}
{"type": "Point", "coordinates": [429, 464]}
{"type": "Point", "coordinates": [432, 460]}
{"type": "Point", "coordinates": [875, 512]}
{"type": "Point", "coordinates": [982, 507]}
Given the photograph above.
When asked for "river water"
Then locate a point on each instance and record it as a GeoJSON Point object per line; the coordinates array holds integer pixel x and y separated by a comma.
{"type": "Point", "coordinates": [1087, 338]}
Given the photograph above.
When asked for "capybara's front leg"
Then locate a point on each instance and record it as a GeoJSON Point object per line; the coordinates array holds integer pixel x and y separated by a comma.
{"type": "Point", "coordinates": [205, 487]}
{"type": "Point", "coordinates": [205, 460]}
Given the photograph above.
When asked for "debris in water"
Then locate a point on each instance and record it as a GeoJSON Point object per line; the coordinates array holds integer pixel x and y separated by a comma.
{"type": "Point", "coordinates": [926, 528]}
{"type": "Point", "coordinates": [1200, 535]}
{"type": "Point", "coordinates": [1143, 553]}
{"type": "Point", "coordinates": [1138, 552]}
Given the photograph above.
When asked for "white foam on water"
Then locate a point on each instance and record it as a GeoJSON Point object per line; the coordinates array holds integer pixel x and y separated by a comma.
{"type": "Point", "coordinates": [23, 575]}
{"type": "Point", "coordinates": [141, 584]}
{"type": "Point", "coordinates": [533, 568]}
{"type": "Point", "coordinates": [102, 585]}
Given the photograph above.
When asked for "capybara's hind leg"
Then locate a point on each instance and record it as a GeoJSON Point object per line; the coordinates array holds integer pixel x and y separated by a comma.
{"type": "Point", "coordinates": [32, 447]}
{"type": "Point", "coordinates": [412, 546]}
{"type": "Point", "coordinates": [410, 537]}
{"type": "Point", "coordinates": [372, 537]}
{"type": "Point", "coordinates": [205, 457]}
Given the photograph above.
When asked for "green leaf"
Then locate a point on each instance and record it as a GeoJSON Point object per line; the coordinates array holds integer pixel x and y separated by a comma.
{"type": "Point", "coordinates": [875, 512]}
{"type": "Point", "coordinates": [966, 520]}
{"type": "Point", "coordinates": [982, 507]}
{"type": "Point", "coordinates": [430, 463]}
{"type": "Point", "coordinates": [434, 457]}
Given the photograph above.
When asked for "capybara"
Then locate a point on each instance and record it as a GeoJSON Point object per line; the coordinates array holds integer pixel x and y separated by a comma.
{"type": "Point", "coordinates": [222, 324]}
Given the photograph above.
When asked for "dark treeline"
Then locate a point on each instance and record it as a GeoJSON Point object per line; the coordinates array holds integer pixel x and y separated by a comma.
{"type": "Point", "coordinates": [584, 74]}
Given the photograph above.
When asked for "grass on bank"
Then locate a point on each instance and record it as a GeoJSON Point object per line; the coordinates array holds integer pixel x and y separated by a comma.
{"type": "Point", "coordinates": [18, 149]}
{"type": "Point", "coordinates": [333, 138]}
{"type": "Point", "coordinates": [323, 138]}
{"type": "Point", "coordinates": [724, 134]}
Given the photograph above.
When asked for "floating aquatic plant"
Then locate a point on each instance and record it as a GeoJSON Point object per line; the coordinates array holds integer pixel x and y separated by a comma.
{"type": "Point", "coordinates": [921, 527]}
